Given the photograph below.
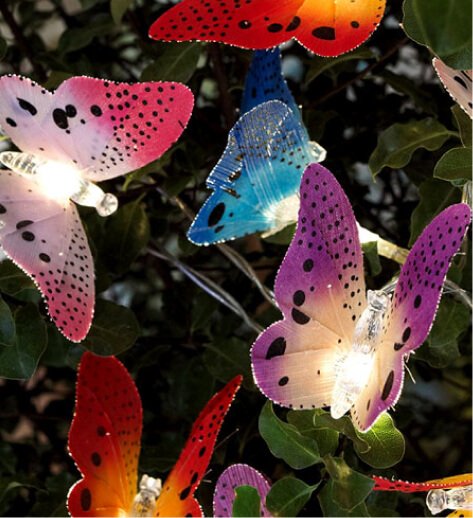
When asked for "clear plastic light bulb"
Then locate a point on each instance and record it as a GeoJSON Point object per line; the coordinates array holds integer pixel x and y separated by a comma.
{"type": "Point", "coordinates": [144, 503]}
{"type": "Point", "coordinates": [440, 499]}
{"type": "Point", "coordinates": [318, 152]}
{"type": "Point", "coordinates": [353, 369]}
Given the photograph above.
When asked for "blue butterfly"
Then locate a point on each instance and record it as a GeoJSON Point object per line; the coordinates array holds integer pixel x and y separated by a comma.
{"type": "Point", "coordinates": [256, 181]}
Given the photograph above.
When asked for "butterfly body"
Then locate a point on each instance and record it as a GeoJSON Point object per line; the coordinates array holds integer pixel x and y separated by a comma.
{"type": "Point", "coordinates": [144, 503]}
{"type": "Point", "coordinates": [439, 500]}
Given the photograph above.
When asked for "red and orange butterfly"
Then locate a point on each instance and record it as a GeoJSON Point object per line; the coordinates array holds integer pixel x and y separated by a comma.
{"type": "Point", "coordinates": [326, 27]}
{"type": "Point", "coordinates": [453, 493]}
{"type": "Point", "coordinates": [105, 438]}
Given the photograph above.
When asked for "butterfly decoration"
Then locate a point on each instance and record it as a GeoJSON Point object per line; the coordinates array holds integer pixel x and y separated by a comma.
{"type": "Point", "coordinates": [337, 346]}
{"type": "Point", "coordinates": [104, 441]}
{"type": "Point", "coordinates": [458, 84]}
{"type": "Point", "coordinates": [325, 27]}
{"type": "Point", "coordinates": [233, 477]}
{"type": "Point", "coordinates": [87, 131]}
{"type": "Point", "coordinates": [445, 493]}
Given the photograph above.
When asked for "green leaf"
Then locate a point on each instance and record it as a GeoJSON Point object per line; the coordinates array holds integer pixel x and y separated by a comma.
{"type": "Point", "coordinates": [52, 501]}
{"type": "Point", "coordinates": [285, 441]}
{"type": "Point", "coordinates": [78, 38]}
{"type": "Point", "coordinates": [177, 62]}
{"type": "Point", "coordinates": [455, 166]}
{"type": "Point", "coordinates": [283, 237]}
{"type": "Point", "coordinates": [370, 253]}
{"type": "Point", "coordinates": [397, 143]}
{"type": "Point", "coordinates": [444, 27]}
{"type": "Point", "coordinates": [288, 496]}
{"type": "Point", "coordinates": [435, 195]}
{"type": "Point", "coordinates": [303, 420]}
{"type": "Point", "coordinates": [464, 125]}
{"type": "Point", "coordinates": [247, 502]}
{"type": "Point", "coordinates": [330, 506]}
{"type": "Point", "coordinates": [127, 233]}
{"type": "Point", "coordinates": [19, 360]}
{"type": "Point", "coordinates": [7, 324]}
{"type": "Point", "coordinates": [13, 281]}
{"type": "Point", "coordinates": [118, 9]}
{"type": "Point", "coordinates": [114, 329]}
{"type": "Point", "coordinates": [350, 488]}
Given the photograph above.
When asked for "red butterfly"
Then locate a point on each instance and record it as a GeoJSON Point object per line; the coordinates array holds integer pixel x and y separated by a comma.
{"type": "Point", "coordinates": [326, 27]}
{"type": "Point", "coordinates": [104, 441]}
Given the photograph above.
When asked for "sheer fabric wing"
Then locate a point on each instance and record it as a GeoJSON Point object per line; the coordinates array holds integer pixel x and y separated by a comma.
{"type": "Point", "coordinates": [47, 240]}
{"type": "Point", "coordinates": [413, 309]}
{"type": "Point", "coordinates": [233, 477]}
{"type": "Point", "coordinates": [458, 84]}
{"type": "Point", "coordinates": [266, 154]}
{"type": "Point", "coordinates": [177, 497]}
{"type": "Point", "coordinates": [384, 484]}
{"type": "Point", "coordinates": [104, 439]}
{"type": "Point", "coordinates": [326, 27]}
{"type": "Point", "coordinates": [320, 290]}
{"type": "Point", "coordinates": [105, 129]}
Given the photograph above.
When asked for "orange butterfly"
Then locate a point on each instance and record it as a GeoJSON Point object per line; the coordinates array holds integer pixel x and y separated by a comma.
{"type": "Point", "coordinates": [104, 441]}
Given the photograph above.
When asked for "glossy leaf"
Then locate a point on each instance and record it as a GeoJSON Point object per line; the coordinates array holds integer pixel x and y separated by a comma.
{"type": "Point", "coordinates": [288, 496]}
{"type": "Point", "coordinates": [247, 502]}
{"type": "Point", "coordinates": [326, 438]}
{"type": "Point", "coordinates": [118, 9]}
{"type": "Point", "coordinates": [455, 166]}
{"type": "Point", "coordinates": [177, 62]}
{"type": "Point", "coordinates": [330, 507]}
{"type": "Point", "coordinates": [7, 325]}
{"type": "Point", "coordinates": [464, 125]}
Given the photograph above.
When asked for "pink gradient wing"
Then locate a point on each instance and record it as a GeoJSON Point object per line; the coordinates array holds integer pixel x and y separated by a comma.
{"type": "Point", "coordinates": [104, 439]}
{"type": "Point", "coordinates": [458, 84]}
{"type": "Point", "coordinates": [413, 309]}
{"type": "Point", "coordinates": [321, 292]}
{"type": "Point", "coordinates": [233, 477]}
{"type": "Point", "coordinates": [47, 240]}
{"type": "Point", "coordinates": [106, 129]}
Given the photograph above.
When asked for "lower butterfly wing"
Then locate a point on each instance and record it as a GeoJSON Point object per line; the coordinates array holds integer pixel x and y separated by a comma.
{"type": "Point", "coordinates": [265, 82]}
{"type": "Point", "coordinates": [233, 477]}
{"type": "Point", "coordinates": [384, 484]}
{"type": "Point", "coordinates": [320, 291]}
{"type": "Point", "coordinates": [47, 240]}
{"type": "Point", "coordinates": [261, 167]}
{"type": "Point", "coordinates": [103, 128]}
{"type": "Point", "coordinates": [104, 438]}
{"type": "Point", "coordinates": [333, 27]}
{"type": "Point", "coordinates": [412, 310]}
{"type": "Point", "coordinates": [177, 496]}
{"type": "Point", "coordinates": [458, 84]}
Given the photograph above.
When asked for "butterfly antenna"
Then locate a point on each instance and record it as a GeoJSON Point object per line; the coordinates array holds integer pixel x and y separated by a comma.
{"type": "Point", "coordinates": [459, 293]}
{"type": "Point", "coordinates": [409, 372]}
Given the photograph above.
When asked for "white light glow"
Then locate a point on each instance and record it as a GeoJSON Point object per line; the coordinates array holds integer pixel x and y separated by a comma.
{"type": "Point", "coordinates": [282, 214]}
{"type": "Point", "coordinates": [440, 499]}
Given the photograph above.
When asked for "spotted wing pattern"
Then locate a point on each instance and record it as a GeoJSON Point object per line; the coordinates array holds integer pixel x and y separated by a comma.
{"type": "Point", "coordinates": [458, 84]}
{"type": "Point", "coordinates": [413, 310]}
{"type": "Point", "coordinates": [104, 128]}
{"type": "Point", "coordinates": [267, 151]}
{"type": "Point", "coordinates": [104, 439]}
{"type": "Point", "coordinates": [233, 477]}
{"type": "Point", "coordinates": [177, 497]}
{"type": "Point", "coordinates": [326, 27]}
{"type": "Point", "coordinates": [384, 484]}
{"type": "Point", "coordinates": [321, 292]}
{"type": "Point", "coordinates": [47, 240]}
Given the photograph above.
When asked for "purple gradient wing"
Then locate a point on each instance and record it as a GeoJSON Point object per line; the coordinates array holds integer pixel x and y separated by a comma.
{"type": "Point", "coordinates": [413, 309]}
{"type": "Point", "coordinates": [321, 292]}
{"type": "Point", "coordinates": [233, 477]}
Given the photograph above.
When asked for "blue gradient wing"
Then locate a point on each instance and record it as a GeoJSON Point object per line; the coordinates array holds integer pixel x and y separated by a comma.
{"type": "Point", "coordinates": [267, 152]}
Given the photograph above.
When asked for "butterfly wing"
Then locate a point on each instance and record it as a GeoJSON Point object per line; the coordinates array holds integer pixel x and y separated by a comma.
{"type": "Point", "coordinates": [233, 477]}
{"type": "Point", "coordinates": [321, 293]}
{"type": "Point", "coordinates": [458, 84]}
{"type": "Point", "coordinates": [104, 439]}
{"type": "Point", "coordinates": [413, 310]}
{"type": "Point", "coordinates": [177, 496]}
{"type": "Point", "coordinates": [326, 27]}
{"type": "Point", "coordinates": [384, 484]}
{"type": "Point", "coordinates": [105, 129]}
{"type": "Point", "coordinates": [265, 82]}
{"type": "Point", "coordinates": [47, 241]}
{"type": "Point", "coordinates": [266, 154]}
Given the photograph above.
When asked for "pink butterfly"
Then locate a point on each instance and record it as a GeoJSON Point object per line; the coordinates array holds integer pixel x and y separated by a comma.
{"type": "Point", "coordinates": [336, 346]}
{"type": "Point", "coordinates": [458, 84]}
{"type": "Point", "coordinates": [87, 131]}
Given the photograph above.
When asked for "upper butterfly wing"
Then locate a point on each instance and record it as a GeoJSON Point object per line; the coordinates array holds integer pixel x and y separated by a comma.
{"type": "Point", "coordinates": [47, 240]}
{"type": "Point", "coordinates": [104, 439]}
{"type": "Point", "coordinates": [320, 290]}
{"type": "Point", "coordinates": [262, 164]}
{"type": "Point", "coordinates": [105, 129]}
{"type": "Point", "coordinates": [384, 484]}
{"type": "Point", "coordinates": [233, 477]}
{"type": "Point", "coordinates": [177, 496]}
{"type": "Point", "coordinates": [412, 311]}
{"type": "Point", "coordinates": [458, 84]}
{"type": "Point", "coordinates": [326, 27]}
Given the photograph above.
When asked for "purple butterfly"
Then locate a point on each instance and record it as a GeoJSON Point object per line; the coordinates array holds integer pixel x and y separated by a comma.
{"type": "Point", "coordinates": [233, 477]}
{"type": "Point", "coordinates": [337, 346]}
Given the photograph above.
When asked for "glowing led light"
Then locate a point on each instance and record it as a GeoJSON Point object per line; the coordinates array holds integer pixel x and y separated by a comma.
{"type": "Point", "coordinates": [353, 370]}
{"type": "Point", "coordinates": [144, 503]}
{"type": "Point", "coordinates": [440, 499]}
{"type": "Point", "coordinates": [283, 214]}
{"type": "Point", "coordinates": [318, 152]}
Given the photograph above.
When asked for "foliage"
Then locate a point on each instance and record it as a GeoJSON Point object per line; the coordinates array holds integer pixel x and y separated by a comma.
{"type": "Point", "coordinates": [379, 111]}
